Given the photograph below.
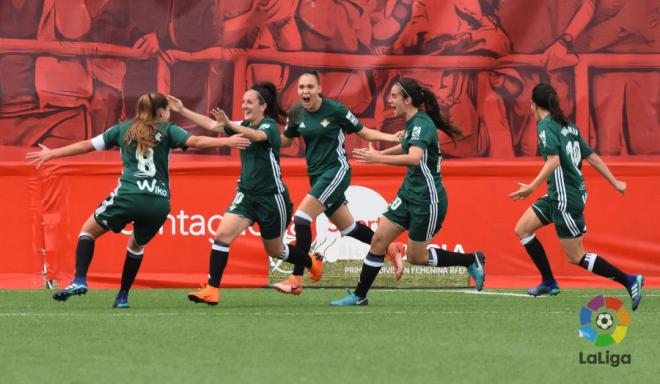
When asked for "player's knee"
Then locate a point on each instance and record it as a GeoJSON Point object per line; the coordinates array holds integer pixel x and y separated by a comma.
{"type": "Point", "coordinates": [574, 258]}
{"type": "Point", "coordinates": [378, 245]}
{"type": "Point", "coordinates": [521, 231]}
{"type": "Point", "coordinates": [274, 250]}
{"type": "Point", "coordinates": [134, 249]}
{"type": "Point", "coordinates": [223, 237]}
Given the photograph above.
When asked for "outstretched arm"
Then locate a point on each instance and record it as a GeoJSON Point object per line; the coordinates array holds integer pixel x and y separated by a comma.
{"type": "Point", "coordinates": [604, 170]}
{"type": "Point", "coordinates": [223, 121]}
{"type": "Point", "coordinates": [370, 155]}
{"type": "Point", "coordinates": [375, 135]}
{"type": "Point", "coordinates": [46, 154]}
{"type": "Point", "coordinates": [395, 150]}
{"type": "Point", "coordinates": [525, 190]}
{"type": "Point", "coordinates": [205, 122]}
{"type": "Point", "coordinates": [202, 142]}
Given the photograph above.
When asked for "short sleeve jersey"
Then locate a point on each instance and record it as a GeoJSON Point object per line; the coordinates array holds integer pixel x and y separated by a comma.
{"type": "Point", "coordinates": [566, 184]}
{"type": "Point", "coordinates": [144, 174]}
{"type": "Point", "coordinates": [423, 182]}
{"type": "Point", "coordinates": [260, 161]}
{"type": "Point", "coordinates": [323, 132]}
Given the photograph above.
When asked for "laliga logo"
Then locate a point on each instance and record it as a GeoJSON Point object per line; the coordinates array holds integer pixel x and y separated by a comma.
{"type": "Point", "coordinates": [609, 317]}
{"type": "Point", "coordinates": [367, 206]}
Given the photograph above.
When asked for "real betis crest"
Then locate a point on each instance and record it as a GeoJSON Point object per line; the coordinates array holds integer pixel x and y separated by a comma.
{"type": "Point", "coordinates": [325, 122]}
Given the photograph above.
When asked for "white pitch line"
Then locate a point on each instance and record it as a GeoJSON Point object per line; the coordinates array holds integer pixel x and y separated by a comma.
{"type": "Point", "coordinates": [337, 312]}
{"type": "Point", "coordinates": [23, 314]}
{"type": "Point", "coordinates": [501, 294]}
{"type": "Point", "coordinates": [471, 292]}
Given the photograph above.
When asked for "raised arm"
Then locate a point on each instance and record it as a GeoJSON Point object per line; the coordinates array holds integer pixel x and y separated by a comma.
{"type": "Point", "coordinates": [205, 122]}
{"type": "Point", "coordinates": [46, 154]}
{"type": "Point", "coordinates": [223, 121]}
{"type": "Point", "coordinates": [525, 190]}
{"type": "Point", "coordinates": [604, 170]}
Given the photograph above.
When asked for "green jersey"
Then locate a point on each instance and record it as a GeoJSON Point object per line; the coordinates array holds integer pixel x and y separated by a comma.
{"type": "Point", "coordinates": [423, 183]}
{"type": "Point", "coordinates": [260, 161]}
{"type": "Point", "coordinates": [323, 132]}
{"type": "Point", "coordinates": [143, 174]}
{"type": "Point", "coordinates": [566, 184]}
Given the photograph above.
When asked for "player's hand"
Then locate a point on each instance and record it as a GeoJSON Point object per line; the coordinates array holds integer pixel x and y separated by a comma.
{"type": "Point", "coordinates": [366, 155]}
{"type": "Point", "coordinates": [175, 104]}
{"type": "Point", "coordinates": [620, 186]}
{"type": "Point", "coordinates": [522, 193]}
{"type": "Point", "coordinates": [38, 158]}
{"type": "Point", "coordinates": [237, 141]}
{"type": "Point", "coordinates": [220, 116]}
{"type": "Point", "coordinates": [399, 135]}
{"type": "Point", "coordinates": [395, 252]}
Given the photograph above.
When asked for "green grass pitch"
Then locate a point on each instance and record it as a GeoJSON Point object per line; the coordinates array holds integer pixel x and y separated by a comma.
{"type": "Point", "coordinates": [261, 336]}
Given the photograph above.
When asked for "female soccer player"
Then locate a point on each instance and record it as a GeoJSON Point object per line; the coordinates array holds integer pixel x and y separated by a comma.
{"type": "Point", "coordinates": [142, 196]}
{"type": "Point", "coordinates": [322, 123]}
{"type": "Point", "coordinates": [261, 197]}
{"type": "Point", "coordinates": [563, 149]}
{"type": "Point", "coordinates": [421, 203]}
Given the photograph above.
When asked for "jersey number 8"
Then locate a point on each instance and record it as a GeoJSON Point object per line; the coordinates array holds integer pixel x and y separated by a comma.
{"type": "Point", "coordinates": [146, 166]}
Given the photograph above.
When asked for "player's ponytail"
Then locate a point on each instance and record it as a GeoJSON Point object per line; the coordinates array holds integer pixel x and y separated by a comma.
{"type": "Point", "coordinates": [267, 93]}
{"type": "Point", "coordinates": [545, 96]}
{"type": "Point", "coordinates": [424, 98]}
{"type": "Point", "coordinates": [146, 122]}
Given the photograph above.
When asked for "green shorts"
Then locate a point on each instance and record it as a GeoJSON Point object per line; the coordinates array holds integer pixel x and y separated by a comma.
{"type": "Point", "coordinates": [271, 212]}
{"type": "Point", "coordinates": [146, 212]}
{"type": "Point", "coordinates": [329, 188]}
{"type": "Point", "coordinates": [568, 225]}
{"type": "Point", "coordinates": [422, 221]}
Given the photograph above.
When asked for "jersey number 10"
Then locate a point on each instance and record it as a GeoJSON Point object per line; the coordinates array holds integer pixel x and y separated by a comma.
{"type": "Point", "coordinates": [573, 151]}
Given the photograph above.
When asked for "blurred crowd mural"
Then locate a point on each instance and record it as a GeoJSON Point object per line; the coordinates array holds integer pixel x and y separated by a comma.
{"type": "Point", "coordinates": [71, 68]}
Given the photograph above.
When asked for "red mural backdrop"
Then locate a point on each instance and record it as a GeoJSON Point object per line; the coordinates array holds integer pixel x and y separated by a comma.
{"type": "Point", "coordinates": [71, 68]}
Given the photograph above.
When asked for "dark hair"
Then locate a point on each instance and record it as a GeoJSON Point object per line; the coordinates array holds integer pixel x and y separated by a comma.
{"type": "Point", "coordinates": [294, 113]}
{"type": "Point", "coordinates": [545, 96]}
{"type": "Point", "coordinates": [146, 123]}
{"type": "Point", "coordinates": [423, 97]}
{"type": "Point", "coordinates": [267, 94]}
{"type": "Point", "coordinates": [313, 73]}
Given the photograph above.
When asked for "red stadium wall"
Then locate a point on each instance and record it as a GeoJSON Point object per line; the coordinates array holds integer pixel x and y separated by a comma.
{"type": "Point", "coordinates": [59, 197]}
{"type": "Point", "coordinates": [70, 69]}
